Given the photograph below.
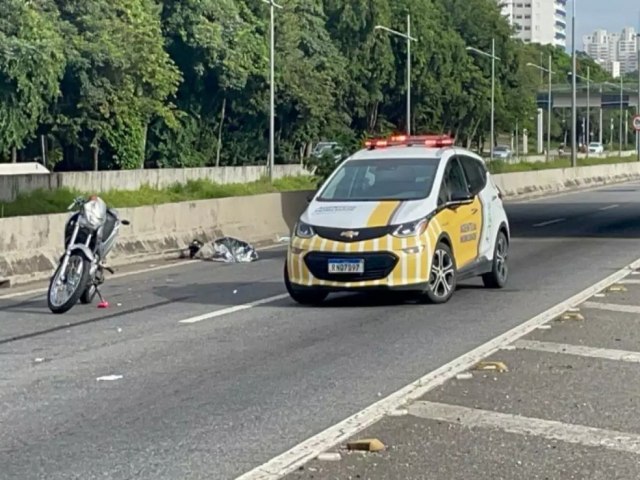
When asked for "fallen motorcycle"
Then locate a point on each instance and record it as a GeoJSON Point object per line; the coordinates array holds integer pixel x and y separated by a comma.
{"type": "Point", "coordinates": [90, 234]}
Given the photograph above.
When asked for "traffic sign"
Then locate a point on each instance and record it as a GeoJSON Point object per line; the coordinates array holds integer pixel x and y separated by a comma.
{"type": "Point", "coordinates": [636, 123]}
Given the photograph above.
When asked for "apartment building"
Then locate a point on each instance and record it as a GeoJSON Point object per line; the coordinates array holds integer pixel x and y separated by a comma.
{"type": "Point", "coordinates": [538, 21]}
{"type": "Point", "coordinates": [616, 52]}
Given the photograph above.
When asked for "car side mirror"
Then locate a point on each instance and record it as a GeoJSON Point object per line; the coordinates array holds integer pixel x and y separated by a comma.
{"type": "Point", "coordinates": [460, 198]}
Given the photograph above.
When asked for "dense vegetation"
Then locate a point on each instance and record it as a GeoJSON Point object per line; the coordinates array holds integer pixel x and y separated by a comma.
{"type": "Point", "coordinates": [130, 83]}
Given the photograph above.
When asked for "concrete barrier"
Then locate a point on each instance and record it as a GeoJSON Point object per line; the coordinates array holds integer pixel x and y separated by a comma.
{"type": "Point", "coordinates": [99, 182]}
{"type": "Point", "coordinates": [542, 182]}
{"type": "Point", "coordinates": [30, 246]}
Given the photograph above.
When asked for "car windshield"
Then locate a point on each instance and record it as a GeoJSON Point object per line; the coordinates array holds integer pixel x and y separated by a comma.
{"type": "Point", "coordinates": [381, 179]}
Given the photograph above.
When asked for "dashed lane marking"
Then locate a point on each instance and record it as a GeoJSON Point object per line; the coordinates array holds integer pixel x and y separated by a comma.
{"type": "Point", "coordinates": [579, 350]}
{"type": "Point", "coordinates": [528, 426]}
{"type": "Point", "coordinates": [549, 222]}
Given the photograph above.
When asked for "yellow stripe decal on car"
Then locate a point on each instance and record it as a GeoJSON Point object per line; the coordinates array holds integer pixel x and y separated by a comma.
{"type": "Point", "coordinates": [382, 213]}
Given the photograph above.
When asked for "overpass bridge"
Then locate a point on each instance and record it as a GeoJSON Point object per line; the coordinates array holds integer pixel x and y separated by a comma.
{"type": "Point", "coordinates": [600, 95]}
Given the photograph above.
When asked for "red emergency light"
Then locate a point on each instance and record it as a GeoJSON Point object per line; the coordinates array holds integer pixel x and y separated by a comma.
{"type": "Point", "coordinates": [434, 141]}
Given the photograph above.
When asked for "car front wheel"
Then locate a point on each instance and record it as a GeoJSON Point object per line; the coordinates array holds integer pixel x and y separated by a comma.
{"type": "Point", "coordinates": [442, 279]}
{"type": "Point", "coordinates": [303, 297]}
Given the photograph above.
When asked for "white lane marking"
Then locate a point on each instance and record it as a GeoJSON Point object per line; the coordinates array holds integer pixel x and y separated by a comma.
{"type": "Point", "coordinates": [549, 222]}
{"type": "Point", "coordinates": [527, 426]}
{"type": "Point", "coordinates": [35, 291]}
{"type": "Point", "coordinates": [631, 281]}
{"type": "Point", "coordinates": [573, 191]}
{"type": "Point", "coordinates": [609, 207]}
{"type": "Point", "coordinates": [612, 307]}
{"type": "Point", "coordinates": [579, 350]}
{"type": "Point", "coordinates": [234, 309]}
{"type": "Point", "coordinates": [109, 378]}
{"type": "Point", "coordinates": [300, 454]}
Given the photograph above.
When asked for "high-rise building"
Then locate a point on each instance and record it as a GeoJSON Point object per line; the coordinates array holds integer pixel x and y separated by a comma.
{"type": "Point", "coordinates": [538, 21]}
{"type": "Point", "coordinates": [616, 52]}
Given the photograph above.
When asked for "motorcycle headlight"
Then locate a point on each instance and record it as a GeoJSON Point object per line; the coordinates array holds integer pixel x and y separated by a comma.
{"type": "Point", "coordinates": [304, 230]}
{"type": "Point", "coordinates": [411, 229]}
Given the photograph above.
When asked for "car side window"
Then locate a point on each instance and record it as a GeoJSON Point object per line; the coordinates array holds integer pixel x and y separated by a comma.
{"type": "Point", "coordinates": [453, 181]}
{"type": "Point", "coordinates": [475, 173]}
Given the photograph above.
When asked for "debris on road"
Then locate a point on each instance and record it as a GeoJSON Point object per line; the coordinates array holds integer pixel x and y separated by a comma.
{"type": "Point", "coordinates": [366, 445]}
{"type": "Point", "coordinates": [329, 457]}
{"type": "Point", "coordinates": [497, 366]}
{"type": "Point", "coordinates": [103, 304]}
{"type": "Point", "coordinates": [38, 360]}
{"type": "Point", "coordinates": [224, 249]}
{"type": "Point", "coordinates": [233, 250]}
{"type": "Point", "coordinates": [109, 378]}
{"type": "Point", "coordinates": [570, 316]}
{"type": "Point", "coordinates": [544, 327]}
{"type": "Point", "coordinates": [464, 376]}
{"type": "Point", "coordinates": [617, 288]}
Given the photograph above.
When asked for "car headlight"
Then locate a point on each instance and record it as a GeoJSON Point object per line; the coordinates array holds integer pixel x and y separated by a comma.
{"type": "Point", "coordinates": [304, 230]}
{"type": "Point", "coordinates": [411, 229]}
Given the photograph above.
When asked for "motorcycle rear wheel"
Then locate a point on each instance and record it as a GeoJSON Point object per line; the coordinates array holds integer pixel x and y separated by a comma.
{"type": "Point", "coordinates": [82, 280]}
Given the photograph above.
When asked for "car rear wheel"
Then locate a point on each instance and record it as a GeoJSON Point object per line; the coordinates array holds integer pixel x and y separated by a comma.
{"type": "Point", "coordinates": [303, 297]}
{"type": "Point", "coordinates": [497, 277]}
{"type": "Point", "coordinates": [442, 279]}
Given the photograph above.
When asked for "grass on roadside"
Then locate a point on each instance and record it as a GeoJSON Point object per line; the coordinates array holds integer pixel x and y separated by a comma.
{"type": "Point", "coordinates": [499, 166]}
{"type": "Point", "coordinates": [43, 202]}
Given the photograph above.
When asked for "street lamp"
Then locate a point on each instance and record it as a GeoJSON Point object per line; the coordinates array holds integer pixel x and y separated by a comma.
{"type": "Point", "coordinates": [493, 57]}
{"type": "Point", "coordinates": [407, 36]}
{"type": "Point", "coordinates": [272, 90]}
{"type": "Point", "coordinates": [588, 79]}
{"type": "Point", "coordinates": [550, 72]}
{"type": "Point", "coordinates": [574, 112]}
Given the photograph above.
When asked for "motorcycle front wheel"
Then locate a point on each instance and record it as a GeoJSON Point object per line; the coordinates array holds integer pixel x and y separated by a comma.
{"type": "Point", "coordinates": [64, 294]}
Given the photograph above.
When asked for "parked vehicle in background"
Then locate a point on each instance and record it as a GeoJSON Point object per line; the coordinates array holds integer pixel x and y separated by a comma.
{"type": "Point", "coordinates": [323, 148]}
{"type": "Point", "coordinates": [502, 152]}
{"type": "Point", "coordinates": [596, 147]}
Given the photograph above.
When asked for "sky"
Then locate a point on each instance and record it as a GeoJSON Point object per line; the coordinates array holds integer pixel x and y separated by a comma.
{"type": "Point", "coordinates": [612, 15]}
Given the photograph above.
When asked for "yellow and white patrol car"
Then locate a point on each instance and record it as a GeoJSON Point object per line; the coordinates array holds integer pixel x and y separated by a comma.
{"type": "Point", "coordinates": [408, 213]}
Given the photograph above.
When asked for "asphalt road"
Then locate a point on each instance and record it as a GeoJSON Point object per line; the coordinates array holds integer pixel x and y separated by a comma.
{"type": "Point", "coordinates": [216, 398]}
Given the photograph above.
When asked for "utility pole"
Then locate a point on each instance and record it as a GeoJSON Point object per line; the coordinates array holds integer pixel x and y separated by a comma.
{"type": "Point", "coordinates": [621, 113]}
{"type": "Point", "coordinates": [493, 57]}
{"type": "Point", "coordinates": [272, 89]}
{"type": "Point", "coordinates": [574, 115]}
{"type": "Point", "coordinates": [407, 36]}
{"type": "Point", "coordinates": [588, 109]}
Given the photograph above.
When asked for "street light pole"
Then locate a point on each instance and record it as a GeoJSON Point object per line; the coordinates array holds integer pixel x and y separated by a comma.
{"type": "Point", "coordinates": [621, 113]}
{"type": "Point", "coordinates": [407, 36]}
{"type": "Point", "coordinates": [549, 72]}
{"type": "Point", "coordinates": [588, 109]}
{"type": "Point", "coordinates": [574, 113]}
{"type": "Point", "coordinates": [272, 89]}
{"type": "Point", "coordinates": [493, 57]}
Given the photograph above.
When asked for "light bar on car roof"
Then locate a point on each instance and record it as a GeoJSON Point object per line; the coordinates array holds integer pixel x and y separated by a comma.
{"type": "Point", "coordinates": [435, 141]}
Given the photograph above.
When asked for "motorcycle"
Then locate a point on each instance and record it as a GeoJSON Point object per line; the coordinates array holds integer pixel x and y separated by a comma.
{"type": "Point", "coordinates": [90, 234]}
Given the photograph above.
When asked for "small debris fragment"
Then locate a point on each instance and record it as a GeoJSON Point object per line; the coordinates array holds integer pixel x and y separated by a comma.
{"type": "Point", "coordinates": [544, 327]}
{"type": "Point", "coordinates": [329, 457]}
{"type": "Point", "coordinates": [464, 376]}
{"type": "Point", "coordinates": [118, 304]}
{"type": "Point", "coordinates": [235, 291]}
{"type": "Point", "coordinates": [498, 366]}
{"type": "Point", "coordinates": [103, 304]}
{"type": "Point", "coordinates": [570, 316]}
{"type": "Point", "coordinates": [366, 445]}
{"type": "Point", "coordinates": [39, 360]}
{"type": "Point", "coordinates": [399, 412]}
{"type": "Point", "coordinates": [599, 295]}
{"type": "Point", "coordinates": [109, 378]}
{"type": "Point", "coordinates": [617, 288]}
{"type": "Point", "coordinates": [119, 330]}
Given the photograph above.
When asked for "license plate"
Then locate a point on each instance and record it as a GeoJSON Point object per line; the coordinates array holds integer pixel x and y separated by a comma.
{"type": "Point", "coordinates": [346, 266]}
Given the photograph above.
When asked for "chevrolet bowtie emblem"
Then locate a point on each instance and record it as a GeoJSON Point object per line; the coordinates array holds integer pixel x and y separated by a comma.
{"type": "Point", "coordinates": [349, 234]}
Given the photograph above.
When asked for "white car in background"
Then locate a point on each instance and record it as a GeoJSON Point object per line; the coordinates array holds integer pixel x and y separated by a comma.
{"type": "Point", "coordinates": [596, 147]}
